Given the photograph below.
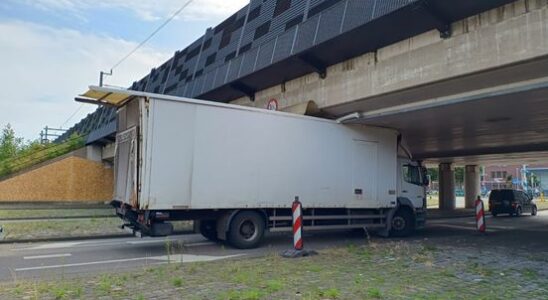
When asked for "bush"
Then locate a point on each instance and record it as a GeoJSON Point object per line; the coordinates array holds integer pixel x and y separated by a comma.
{"type": "Point", "coordinates": [15, 156]}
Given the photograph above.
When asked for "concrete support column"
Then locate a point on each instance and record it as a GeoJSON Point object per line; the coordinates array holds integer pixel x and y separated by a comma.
{"type": "Point", "coordinates": [472, 185]}
{"type": "Point", "coordinates": [447, 197]}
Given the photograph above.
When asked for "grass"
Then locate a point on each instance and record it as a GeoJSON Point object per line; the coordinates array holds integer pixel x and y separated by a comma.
{"type": "Point", "coordinates": [18, 230]}
{"type": "Point", "coordinates": [61, 228]}
{"type": "Point", "coordinates": [377, 271]}
{"type": "Point", "coordinates": [48, 213]}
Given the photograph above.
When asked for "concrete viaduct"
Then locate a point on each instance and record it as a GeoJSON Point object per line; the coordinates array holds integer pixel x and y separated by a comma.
{"type": "Point", "coordinates": [478, 96]}
{"type": "Point", "coordinates": [465, 82]}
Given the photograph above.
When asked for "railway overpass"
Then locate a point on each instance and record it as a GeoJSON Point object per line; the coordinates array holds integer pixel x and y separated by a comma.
{"type": "Point", "coordinates": [466, 82]}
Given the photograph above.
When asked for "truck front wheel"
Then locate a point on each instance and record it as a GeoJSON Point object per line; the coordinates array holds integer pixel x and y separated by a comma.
{"type": "Point", "coordinates": [402, 223]}
{"type": "Point", "coordinates": [246, 230]}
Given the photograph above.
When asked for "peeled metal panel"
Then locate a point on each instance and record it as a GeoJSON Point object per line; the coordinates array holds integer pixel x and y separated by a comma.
{"type": "Point", "coordinates": [284, 45]}
{"type": "Point", "coordinates": [358, 12]}
{"type": "Point", "coordinates": [306, 33]}
{"type": "Point", "coordinates": [330, 22]}
{"type": "Point", "coordinates": [125, 167]}
{"type": "Point", "coordinates": [265, 55]}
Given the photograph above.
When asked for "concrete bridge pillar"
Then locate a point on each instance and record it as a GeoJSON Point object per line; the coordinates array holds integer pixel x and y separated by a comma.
{"type": "Point", "coordinates": [472, 185]}
{"type": "Point", "coordinates": [447, 197]}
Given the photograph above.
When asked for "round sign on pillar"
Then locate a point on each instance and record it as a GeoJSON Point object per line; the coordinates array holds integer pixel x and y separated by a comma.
{"type": "Point", "coordinates": [272, 104]}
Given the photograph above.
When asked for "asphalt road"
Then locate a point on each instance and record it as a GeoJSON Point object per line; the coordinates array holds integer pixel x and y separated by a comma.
{"type": "Point", "coordinates": [75, 258]}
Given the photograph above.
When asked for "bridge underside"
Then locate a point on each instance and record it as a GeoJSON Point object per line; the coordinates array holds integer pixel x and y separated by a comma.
{"type": "Point", "coordinates": [496, 116]}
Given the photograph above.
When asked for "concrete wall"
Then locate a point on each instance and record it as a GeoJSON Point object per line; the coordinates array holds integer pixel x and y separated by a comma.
{"type": "Point", "coordinates": [503, 36]}
{"type": "Point", "coordinates": [71, 179]}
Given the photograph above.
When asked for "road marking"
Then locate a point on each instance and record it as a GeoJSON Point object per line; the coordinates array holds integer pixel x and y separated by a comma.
{"type": "Point", "coordinates": [81, 264]}
{"type": "Point", "coordinates": [461, 227]}
{"type": "Point", "coordinates": [47, 256]}
{"type": "Point", "coordinates": [182, 258]}
{"type": "Point", "coordinates": [99, 243]}
{"type": "Point", "coordinates": [163, 241]}
{"type": "Point", "coordinates": [51, 246]}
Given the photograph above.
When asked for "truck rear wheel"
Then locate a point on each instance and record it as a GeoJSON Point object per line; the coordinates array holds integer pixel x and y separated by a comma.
{"type": "Point", "coordinates": [208, 228]}
{"type": "Point", "coordinates": [246, 230]}
{"type": "Point", "coordinates": [402, 223]}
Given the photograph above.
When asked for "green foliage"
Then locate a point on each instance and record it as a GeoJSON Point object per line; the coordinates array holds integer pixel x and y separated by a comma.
{"type": "Point", "coordinates": [374, 293]}
{"type": "Point", "coordinates": [433, 173]}
{"type": "Point", "coordinates": [177, 282]}
{"type": "Point", "coordinates": [16, 155]}
{"type": "Point", "coordinates": [331, 293]}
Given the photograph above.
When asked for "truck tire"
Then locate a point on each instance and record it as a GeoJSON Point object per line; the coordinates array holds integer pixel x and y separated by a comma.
{"type": "Point", "coordinates": [518, 212]}
{"type": "Point", "coordinates": [246, 230]}
{"type": "Point", "coordinates": [402, 223]}
{"type": "Point", "coordinates": [534, 210]}
{"type": "Point", "coordinates": [208, 229]}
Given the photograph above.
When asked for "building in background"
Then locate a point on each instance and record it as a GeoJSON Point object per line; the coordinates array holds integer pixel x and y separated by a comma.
{"type": "Point", "coordinates": [511, 176]}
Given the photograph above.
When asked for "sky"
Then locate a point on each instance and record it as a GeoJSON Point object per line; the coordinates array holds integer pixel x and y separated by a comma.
{"type": "Point", "coordinates": [52, 50]}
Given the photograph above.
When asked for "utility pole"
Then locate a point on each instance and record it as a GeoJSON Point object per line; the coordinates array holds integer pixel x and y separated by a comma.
{"type": "Point", "coordinates": [49, 132]}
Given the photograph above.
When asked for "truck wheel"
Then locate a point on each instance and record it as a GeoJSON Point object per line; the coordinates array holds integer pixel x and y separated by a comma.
{"type": "Point", "coordinates": [402, 223]}
{"type": "Point", "coordinates": [209, 230]}
{"type": "Point", "coordinates": [534, 210]}
{"type": "Point", "coordinates": [246, 230]}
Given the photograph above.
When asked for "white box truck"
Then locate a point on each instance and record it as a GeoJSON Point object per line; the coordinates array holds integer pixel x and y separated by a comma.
{"type": "Point", "coordinates": [235, 170]}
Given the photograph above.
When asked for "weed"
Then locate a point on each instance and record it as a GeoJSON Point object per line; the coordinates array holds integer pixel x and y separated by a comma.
{"type": "Point", "coordinates": [430, 248]}
{"type": "Point", "coordinates": [273, 286]}
{"type": "Point", "coordinates": [177, 282]}
{"type": "Point", "coordinates": [529, 273]}
{"type": "Point", "coordinates": [331, 293]}
{"type": "Point", "coordinates": [374, 293]}
{"type": "Point", "coordinates": [246, 294]}
{"type": "Point", "coordinates": [104, 284]}
{"type": "Point", "coordinates": [59, 292]}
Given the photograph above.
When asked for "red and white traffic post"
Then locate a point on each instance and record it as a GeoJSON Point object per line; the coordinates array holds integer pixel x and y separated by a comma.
{"type": "Point", "coordinates": [298, 245]}
{"type": "Point", "coordinates": [480, 215]}
{"type": "Point", "coordinates": [297, 210]}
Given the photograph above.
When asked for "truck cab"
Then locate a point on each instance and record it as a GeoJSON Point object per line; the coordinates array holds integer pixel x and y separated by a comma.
{"type": "Point", "coordinates": [410, 213]}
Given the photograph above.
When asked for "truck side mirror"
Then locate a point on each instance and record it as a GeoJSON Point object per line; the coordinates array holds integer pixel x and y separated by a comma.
{"type": "Point", "coordinates": [425, 177]}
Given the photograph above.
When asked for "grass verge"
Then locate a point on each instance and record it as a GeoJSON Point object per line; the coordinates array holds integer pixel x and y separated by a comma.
{"type": "Point", "coordinates": [396, 270]}
{"type": "Point", "coordinates": [52, 213]}
{"type": "Point", "coordinates": [28, 230]}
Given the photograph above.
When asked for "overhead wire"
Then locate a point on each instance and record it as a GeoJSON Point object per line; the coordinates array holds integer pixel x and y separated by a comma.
{"type": "Point", "coordinates": [175, 14]}
{"type": "Point", "coordinates": [72, 116]}
{"type": "Point", "coordinates": [167, 21]}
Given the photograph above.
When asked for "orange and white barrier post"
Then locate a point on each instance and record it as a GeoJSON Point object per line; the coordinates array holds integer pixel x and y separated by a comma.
{"type": "Point", "coordinates": [480, 215]}
{"type": "Point", "coordinates": [297, 209]}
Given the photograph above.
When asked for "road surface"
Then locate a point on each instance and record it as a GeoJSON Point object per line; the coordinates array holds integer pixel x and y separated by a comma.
{"type": "Point", "coordinates": [75, 258]}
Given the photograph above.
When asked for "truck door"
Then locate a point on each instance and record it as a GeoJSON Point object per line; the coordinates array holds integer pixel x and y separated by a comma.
{"type": "Point", "coordinates": [125, 167]}
{"type": "Point", "coordinates": [365, 172]}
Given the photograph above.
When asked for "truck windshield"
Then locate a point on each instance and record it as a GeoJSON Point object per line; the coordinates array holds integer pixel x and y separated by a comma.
{"type": "Point", "coordinates": [412, 174]}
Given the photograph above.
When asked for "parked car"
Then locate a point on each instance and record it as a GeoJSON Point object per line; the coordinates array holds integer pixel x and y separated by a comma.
{"type": "Point", "coordinates": [511, 202]}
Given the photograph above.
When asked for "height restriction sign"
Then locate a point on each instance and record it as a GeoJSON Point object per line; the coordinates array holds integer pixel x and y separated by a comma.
{"type": "Point", "coordinates": [272, 104]}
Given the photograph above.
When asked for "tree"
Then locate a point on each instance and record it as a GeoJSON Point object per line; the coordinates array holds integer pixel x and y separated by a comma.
{"type": "Point", "coordinates": [9, 143]}
{"type": "Point", "coordinates": [434, 174]}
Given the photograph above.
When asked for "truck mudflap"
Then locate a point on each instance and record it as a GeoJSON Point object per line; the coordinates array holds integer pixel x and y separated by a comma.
{"type": "Point", "coordinates": [420, 218]}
